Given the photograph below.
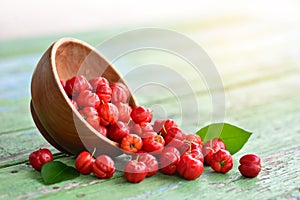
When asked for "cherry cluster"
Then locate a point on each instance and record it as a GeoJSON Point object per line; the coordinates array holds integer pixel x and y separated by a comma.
{"type": "Point", "coordinates": [161, 145]}
{"type": "Point", "coordinates": [100, 103]}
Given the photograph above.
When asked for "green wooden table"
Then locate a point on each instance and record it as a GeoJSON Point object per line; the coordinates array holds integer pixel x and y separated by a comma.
{"type": "Point", "coordinates": [258, 61]}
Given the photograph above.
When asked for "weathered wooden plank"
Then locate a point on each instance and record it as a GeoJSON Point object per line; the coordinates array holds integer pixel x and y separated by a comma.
{"type": "Point", "coordinates": [279, 161]}
{"type": "Point", "coordinates": [280, 167]}
{"type": "Point", "coordinates": [16, 146]}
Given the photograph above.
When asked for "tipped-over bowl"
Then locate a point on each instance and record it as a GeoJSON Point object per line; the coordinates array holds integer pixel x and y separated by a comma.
{"type": "Point", "coordinates": [52, 111]}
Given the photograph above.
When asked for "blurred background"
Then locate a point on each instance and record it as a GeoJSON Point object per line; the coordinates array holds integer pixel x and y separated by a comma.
{"type": "Point", "coordinates": [21, 19]}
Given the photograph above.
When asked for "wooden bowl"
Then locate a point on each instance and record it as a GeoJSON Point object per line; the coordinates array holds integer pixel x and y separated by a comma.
{"type": "Point", "coordinates": [52, 111]}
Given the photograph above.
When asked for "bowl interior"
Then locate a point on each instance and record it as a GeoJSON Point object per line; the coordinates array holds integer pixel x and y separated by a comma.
{"type": "Point", "coordinates": [73, 57]}
{"type": "Point", "coordinates": [68, 131]}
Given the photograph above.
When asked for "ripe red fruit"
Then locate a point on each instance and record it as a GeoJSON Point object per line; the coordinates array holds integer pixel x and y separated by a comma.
{"type": "Point", "coordinates": [250, 165]}
{"type": "Point", "coordinates": [161, 126]}
{"type": "Point", "coordinates": [169, 159]}
{"type": "Point", "coordinates": [192, 148]}
{"type": "Point", "coordinates": [98, 81]}
{"type": "Point", "coordinates": [131, 143]}
{"type": "Point", "coordinates": [104, 167]}
{"type": "Point", "coordinates": [118, 131]}
{"type": "Point", "coordinates": [174, 137]}
{"type": "Point", "coordinates": [197, 153]}
{"type": "Point", "coordinates": [194, 138]}
{"type": "Point", "coordinates": [189, 167]}
{"type": "Point", "coordinates": [104, 93]}
{"type": "Point", "coordinates": [135, 128]}
{"type": "Point", "coordinates": [90, 114]}
{"type": "Point", "coordinates": [150, 161]}
{"type": "Point", "coordinates": [143, 129]}
{"type": "Point", "coordinates": [38, 158]}
{"type": "Point", "coordinates": [87, 98]}
{"type": "Point", "coordinates": [221, 161]}
{"type": "Point", "coordinates": [153, 144]}
{"type": "Point", "coordinates": [102, 130]}
{"type": "Point", "coordinates": [120, 93]}
{"type": "Point", "coordinates": [135, 171]}
{"type": "Point", "coordinates": [124, 111]}
{"type": "Point", "coordinates": [158, 125]}
{"type": "Point", "coordinates": [76, 84]}
{"type": "Point", "coordinates": [141, 114]}
{"type": "Point", "coordinates": [84, 162]}
{"type": "Point", "coordinates": [108, 113]}
{"type": "Point", "coordinates": [211, 147]}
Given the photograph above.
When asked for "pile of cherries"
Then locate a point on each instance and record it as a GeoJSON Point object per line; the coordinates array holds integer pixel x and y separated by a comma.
{"type": "Point", "coordinates": [161, 145]}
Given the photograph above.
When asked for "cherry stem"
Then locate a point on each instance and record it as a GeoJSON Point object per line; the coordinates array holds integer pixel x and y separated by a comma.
{"type": "Point", "coordinates": [211, 144]}
{"type": "Point", "coordinates": [190, 149]}
{"type": "Point", "coordinates": [164, 128]}
{"type": "Point", "coordinates": [137, 158]}
{"type": "Point", "coordinates": [94, 151]}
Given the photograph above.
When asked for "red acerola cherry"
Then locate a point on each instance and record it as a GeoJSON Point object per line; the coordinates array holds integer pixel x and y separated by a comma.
{"type": "Point", "coordinates": [211, 147]}
{"type": "Point", "coordinates": [102, 130]}
{"type": "Point", "coordinates": [104, 93]}
{"type": "Point", "coordinates": [120, 93]}
{"type": "Point", "coordinates": [98, 81]}
{"type": "Point", "coordinates": [196, 153]}
{"type": "Point", "coordinates": [143, 129]}
{"type": "Point", "coordinates": [221, 161]}
{"type": "Point", "coordinates": [250, 165]}
{"type": "Point", "coordinates": [90, 114]}
{"type": "Point", "coordinates": [87, 98]}
{"type": "Point", "coordinates": [118, 131]}
{"type": "Point", "coordinates": [104, 167]}
{"type": "Point", "coordinates": [194, 138]}
{"type": "Point", "coordinates": [38, 158]}
{"type": "Point", "coordinates": [124, 111]}
{"type": "Point", "coordinates": [161, 126]}
{"type": "Point", "coordinates": [150, 161]}
{"type": "Point", "coordinates": [141, 114]}
{"type": "Point", "coordinates": [84, 162]}
{"type": "Point", "coordinates": [169, 159]}
{"type": "Point", "coordinates": [135, 171]}
{"type": "Point", "coordinates": [76, 84]}
{"type": "Point", "coordinates": [192, 148]}
{"type": "Point", "coordinates": [174, 137]}
{"type": "Point", "coordinates": [135, 128]}
{"type": "Point", "coordinates": [189, 167]}
{"type": "Point", "coordinates": [153, 144]}
{"type": "Point", "coordinates": [108, 113]}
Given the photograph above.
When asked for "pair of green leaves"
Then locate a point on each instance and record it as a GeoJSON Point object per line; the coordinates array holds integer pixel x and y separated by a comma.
{"type": "Point", "coordinates": [56, 171]}
{"type": "Point", "coordinates": [233, 136]}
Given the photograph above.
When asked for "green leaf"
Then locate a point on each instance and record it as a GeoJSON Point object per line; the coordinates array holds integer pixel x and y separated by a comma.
{"type": "Point", "coordinates": [56, 171]}
{"type": "Point", "coordinates": [233, 136]}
